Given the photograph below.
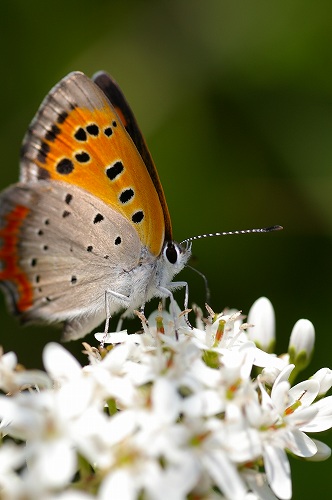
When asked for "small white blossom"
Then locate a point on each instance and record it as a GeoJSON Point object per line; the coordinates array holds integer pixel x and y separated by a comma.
{"type": "Point", "coordinates": [262, 318]}
{"type": "Point", "coordinates": [301, 343]}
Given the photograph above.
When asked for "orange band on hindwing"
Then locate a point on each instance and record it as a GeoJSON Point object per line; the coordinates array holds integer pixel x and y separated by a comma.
{"type": "Point", "coordinates": [9, 257]}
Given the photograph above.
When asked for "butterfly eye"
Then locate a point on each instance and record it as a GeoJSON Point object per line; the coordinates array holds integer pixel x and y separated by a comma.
{"type": "Point", "coordinates": [171, 252]}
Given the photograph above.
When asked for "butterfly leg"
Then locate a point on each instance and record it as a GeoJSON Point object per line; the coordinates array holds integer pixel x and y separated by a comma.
{"type": "Point", "coordinates": [184, 284]}
{"type": "Point", "coordinates": [108, 315]}
{"type": "Point", "coordinates": [123, 301]}
{"type": "Point", "coordinates": [167, 292]}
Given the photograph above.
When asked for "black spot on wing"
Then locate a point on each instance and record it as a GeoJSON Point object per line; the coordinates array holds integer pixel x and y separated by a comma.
{"type": "Point", "coordinates": [62, 117]}
{"type": "Point", "coordinates": [138, 216]}
{"type": "Point", "coordinates": [80, 135]}
{"type": "Point", "coordinates": [114, 170]}
{"type": "Point", "coordinates": [98, 218]}
{"type": "Point", "coordinates": [68, 198]}
{"type": "Point", "coordinates": [82, 157]}
{"type": "Point", "coordinates": [65, 166]}
{"type": "Point", "coordinates": [93, 129]}
{"type": "Point", "coordinates": [126, 195]}
{"type": "Point", "coordinates": [52, 133]}
{"type": "Point", "coordinates": [108, 131]}
{"type": "Point", "coordinates": [43, 152]}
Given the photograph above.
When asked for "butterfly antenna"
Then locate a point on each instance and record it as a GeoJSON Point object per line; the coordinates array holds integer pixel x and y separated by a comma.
{"type": "Point", "coordinates": [238, 231]}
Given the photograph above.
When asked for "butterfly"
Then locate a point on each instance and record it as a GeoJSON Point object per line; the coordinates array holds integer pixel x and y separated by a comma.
{"type": "Point", "coordinates": [86, 232]}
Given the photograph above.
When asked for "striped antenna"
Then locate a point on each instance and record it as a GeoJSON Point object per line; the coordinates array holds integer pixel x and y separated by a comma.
{"type": "Point", "coordinates": [239, 231]}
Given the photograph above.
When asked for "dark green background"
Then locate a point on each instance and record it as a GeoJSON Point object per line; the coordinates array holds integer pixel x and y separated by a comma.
{"type": "Point", "coordinates": [235, 100]}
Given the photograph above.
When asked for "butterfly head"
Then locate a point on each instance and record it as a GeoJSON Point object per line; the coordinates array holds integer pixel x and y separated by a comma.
{"type": "Point", "coordinates": [175, 256]}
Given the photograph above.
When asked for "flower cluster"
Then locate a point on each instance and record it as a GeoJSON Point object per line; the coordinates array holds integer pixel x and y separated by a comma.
{"type": "Point", "coordinates": [207, 411]}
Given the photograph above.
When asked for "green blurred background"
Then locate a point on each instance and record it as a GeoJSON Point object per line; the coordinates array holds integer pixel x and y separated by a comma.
{"type": "Point", "coordinates": [235, 101]}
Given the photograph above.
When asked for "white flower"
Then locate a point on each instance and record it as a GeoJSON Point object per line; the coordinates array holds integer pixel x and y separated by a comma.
{"type": "Point", "coordinates": [162, 415]}
{"type": "Point", "coordinates": [286, 415]}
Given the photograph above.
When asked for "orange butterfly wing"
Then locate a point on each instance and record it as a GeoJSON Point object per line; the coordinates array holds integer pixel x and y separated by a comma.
{"type": "Point", "coordinates": [113, 92]}
{"type": "Point", "coordinates": [77, 137]}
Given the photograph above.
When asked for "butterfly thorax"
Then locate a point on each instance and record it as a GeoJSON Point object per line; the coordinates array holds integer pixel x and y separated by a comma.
{"type": "Point", "coordinates": [170, 262]}
{"type": "Point", "coordinates": [151, 276]}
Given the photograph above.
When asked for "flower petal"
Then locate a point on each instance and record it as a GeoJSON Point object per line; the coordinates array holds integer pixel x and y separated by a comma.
{"type": "Point", "coordinates": [278, 471]}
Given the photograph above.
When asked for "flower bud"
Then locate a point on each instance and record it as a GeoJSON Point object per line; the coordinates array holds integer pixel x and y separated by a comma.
{"type": "Point", "coordinates": [261, 316]}
{"type": "Point", "coordinates": [301, 343]}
